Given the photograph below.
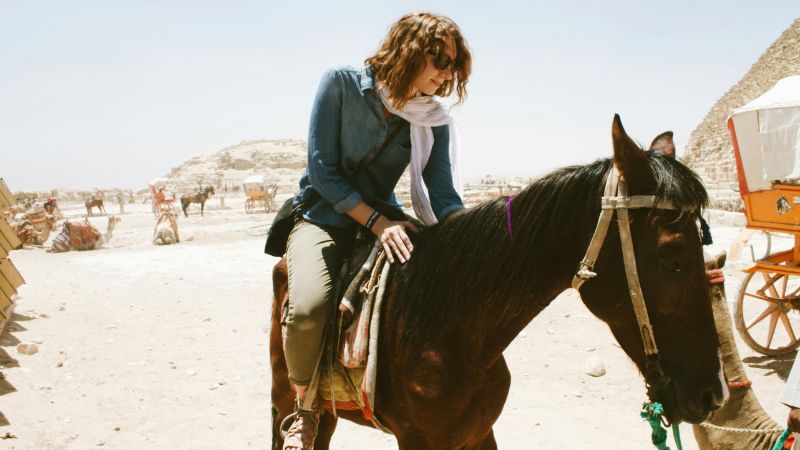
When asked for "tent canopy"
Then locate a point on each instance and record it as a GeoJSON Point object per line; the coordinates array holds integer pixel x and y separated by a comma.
{"type": "Point", "coordinates": [766, 136]}
{"type": "Point", "coordinates": [255, 182]}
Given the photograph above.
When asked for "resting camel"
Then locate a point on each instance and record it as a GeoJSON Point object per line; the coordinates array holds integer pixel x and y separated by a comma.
{"type": "Point", "coordinates": [166, 230]}
{"type": "Point", "coordinates": [89, 238]}
{"type": "Point", "coordinates": [754, 428]}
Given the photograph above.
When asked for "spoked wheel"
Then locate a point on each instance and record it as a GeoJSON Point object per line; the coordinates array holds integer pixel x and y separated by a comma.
{"type": "Point", "coordinates": [767, 316]}
{"type": "Point", "coordinates": [249, 205]}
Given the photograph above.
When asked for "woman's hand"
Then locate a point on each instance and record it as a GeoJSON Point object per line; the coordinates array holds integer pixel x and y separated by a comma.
{"type": "Point", "coordinates": [392, 235]}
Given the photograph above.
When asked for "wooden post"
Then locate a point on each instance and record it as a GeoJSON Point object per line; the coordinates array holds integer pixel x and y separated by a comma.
{"type": "Point", "coordinates": [121, 199]}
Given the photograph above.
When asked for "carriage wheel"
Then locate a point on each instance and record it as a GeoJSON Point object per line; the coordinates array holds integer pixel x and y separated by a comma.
{"type": "Point", "coordinates": [766, 315]}
{"type": "Point", "coordinates": [248, 206]}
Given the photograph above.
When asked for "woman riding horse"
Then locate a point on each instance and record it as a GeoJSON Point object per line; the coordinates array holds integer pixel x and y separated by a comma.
{"type": "Point", "coordinates": [387, 107]}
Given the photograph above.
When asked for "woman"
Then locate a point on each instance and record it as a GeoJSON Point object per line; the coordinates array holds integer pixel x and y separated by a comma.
{"type": "Point", "coordinates": [366, 126]}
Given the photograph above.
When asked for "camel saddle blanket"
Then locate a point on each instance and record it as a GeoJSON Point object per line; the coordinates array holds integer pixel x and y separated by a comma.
{"type": "Point", "coordinates": [349, 382]}
{"type": "Point", "coordinates": [82, 235]}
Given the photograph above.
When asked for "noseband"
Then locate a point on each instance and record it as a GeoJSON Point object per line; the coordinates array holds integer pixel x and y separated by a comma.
{"type": "Point", "coordinates": [615, 198]}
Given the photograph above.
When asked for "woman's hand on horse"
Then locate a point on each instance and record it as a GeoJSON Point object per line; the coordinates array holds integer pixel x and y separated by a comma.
{"type": "Point", "coordinates": [392, 235]}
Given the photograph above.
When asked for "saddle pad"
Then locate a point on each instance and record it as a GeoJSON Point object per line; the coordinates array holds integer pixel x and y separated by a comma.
{"type": "Point", "coordinates": [82, 235]}
{"type": "Point", "coordinates": [354, 388]}
{"type": "Point", "coordinates": [354, 345]}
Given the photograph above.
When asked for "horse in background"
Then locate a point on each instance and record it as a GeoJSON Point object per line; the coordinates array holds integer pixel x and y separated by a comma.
{"type": "Point", "coordinates": [96, 201]}
{"type": "Point", "coordinates": [197, 197]}
{"type": "Point", "coordinates": [479, 277]}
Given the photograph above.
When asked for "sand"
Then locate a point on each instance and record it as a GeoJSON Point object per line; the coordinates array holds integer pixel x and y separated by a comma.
{"type": "Point", "coordinates": [165, 347]}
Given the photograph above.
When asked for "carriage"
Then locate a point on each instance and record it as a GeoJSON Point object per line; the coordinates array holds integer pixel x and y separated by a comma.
{"type": "Point", "coordinates": [162, 203]}
{"type": "Point", "coordinates": [766, 144]}
{"type": "Point", "coordinates": [258, 189]}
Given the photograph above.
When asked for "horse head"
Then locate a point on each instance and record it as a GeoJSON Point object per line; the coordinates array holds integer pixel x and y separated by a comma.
{"type": "Point", "coordinates": [670, 266]}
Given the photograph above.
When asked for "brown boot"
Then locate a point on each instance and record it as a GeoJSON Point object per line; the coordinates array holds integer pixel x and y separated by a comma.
{"type": "Point", "coordinates": [303, 430]}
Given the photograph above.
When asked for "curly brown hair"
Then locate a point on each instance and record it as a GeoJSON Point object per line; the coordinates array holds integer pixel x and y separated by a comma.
{"type": "Point", "coordinates": [402, 55]}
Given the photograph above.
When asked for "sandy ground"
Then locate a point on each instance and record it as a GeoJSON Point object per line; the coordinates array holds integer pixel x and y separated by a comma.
{"type": "Point", "coordinates": [165, 347]}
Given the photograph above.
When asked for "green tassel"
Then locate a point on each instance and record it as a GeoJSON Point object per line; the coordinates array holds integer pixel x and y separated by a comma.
{"type": "Point", "coordinates": [652, 412]}
{"type": "Point", "coordinates": [782, 440]}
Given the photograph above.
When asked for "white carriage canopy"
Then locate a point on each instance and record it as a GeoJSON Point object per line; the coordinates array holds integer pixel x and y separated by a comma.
{"type": "Point", "coordinates": [255, 182]}
{"type": "Point", "coordinates": [766, 134]}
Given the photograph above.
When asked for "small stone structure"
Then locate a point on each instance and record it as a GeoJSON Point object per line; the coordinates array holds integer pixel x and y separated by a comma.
{"type": "Point", "coordinates": [710, 150]}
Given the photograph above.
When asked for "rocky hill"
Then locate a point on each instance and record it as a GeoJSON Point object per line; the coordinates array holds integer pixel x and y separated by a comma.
{"type": "Point", "coordinates": [710, 150]}
{"type": "Point", "coordinates": [284, 161]}
{"type": "Point", "coordinates": [281, 160]}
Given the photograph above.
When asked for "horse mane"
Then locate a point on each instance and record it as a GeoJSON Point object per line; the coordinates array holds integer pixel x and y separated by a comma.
{"type": "Point", "coordinates": [469, 269]}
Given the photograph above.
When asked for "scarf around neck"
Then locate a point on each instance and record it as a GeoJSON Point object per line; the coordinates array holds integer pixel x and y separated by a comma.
{"type": "Point", "coordinates": [423, 113]}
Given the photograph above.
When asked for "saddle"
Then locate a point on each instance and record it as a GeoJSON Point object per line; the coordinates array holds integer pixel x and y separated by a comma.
{"type": "Point", "coordinates": [345, 377]}
{"type": "Point", "coordinates": [77, 235]}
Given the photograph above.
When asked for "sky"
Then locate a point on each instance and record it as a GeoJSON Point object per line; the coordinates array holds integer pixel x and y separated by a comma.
{"type": "Point", "coordinates": [112, 93]}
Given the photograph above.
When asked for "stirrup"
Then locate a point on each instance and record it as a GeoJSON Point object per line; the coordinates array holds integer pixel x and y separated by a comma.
{"type": "Point", "coordinates": [287, 421]}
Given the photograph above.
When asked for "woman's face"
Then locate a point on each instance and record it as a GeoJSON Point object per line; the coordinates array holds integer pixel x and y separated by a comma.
{"type": "Point", "coordinates": [430, 78]}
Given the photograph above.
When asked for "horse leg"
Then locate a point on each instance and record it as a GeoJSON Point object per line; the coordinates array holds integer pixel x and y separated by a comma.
{"type": "Point", "coordinates": [327, 425]}
{"type": "Point", "coordinates": [202, 207]}
{"type": "Point", "coordinates": [282, 393]}
{"type": "Point", "coordinates": [185, 206]}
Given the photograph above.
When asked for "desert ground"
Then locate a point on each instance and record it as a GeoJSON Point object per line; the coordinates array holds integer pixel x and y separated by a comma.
{"type": "Point", "coordinates": [165, 347]}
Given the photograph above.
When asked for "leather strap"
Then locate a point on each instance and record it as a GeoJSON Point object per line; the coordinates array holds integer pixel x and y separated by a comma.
{"type": "Point", "coordinates": [616, 198]}
{"type": "Point", "coordinates": [378, 150]}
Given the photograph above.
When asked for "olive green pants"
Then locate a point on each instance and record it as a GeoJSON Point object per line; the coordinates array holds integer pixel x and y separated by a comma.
{"type": "Point", "coordinates": [314, 256]}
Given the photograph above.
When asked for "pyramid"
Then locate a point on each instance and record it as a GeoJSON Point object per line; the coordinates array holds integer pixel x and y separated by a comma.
{"type": "Point", "coordinates": [710, 150]}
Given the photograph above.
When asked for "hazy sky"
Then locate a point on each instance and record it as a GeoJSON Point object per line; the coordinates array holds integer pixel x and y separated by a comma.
{"type": "Point", "coordinates": [115, 93]}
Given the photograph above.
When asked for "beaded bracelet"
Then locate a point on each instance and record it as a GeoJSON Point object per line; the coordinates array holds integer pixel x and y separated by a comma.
{"type": "Point", "coordinates": [372, 219]}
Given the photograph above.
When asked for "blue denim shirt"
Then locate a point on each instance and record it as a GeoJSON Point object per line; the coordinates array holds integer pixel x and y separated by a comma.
{"type": "Point", "coordinates": [347, 122]}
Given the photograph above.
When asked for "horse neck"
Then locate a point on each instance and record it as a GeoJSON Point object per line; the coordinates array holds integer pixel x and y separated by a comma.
{"type": "Point", "coordinates": [500, 279]}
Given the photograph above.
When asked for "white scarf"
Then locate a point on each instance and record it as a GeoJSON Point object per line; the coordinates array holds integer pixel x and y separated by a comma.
{"type": "Point", "coordinates": [423, 113]}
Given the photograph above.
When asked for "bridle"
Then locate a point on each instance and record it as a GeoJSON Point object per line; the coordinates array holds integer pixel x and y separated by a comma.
{"type": "Point", "coordinates": [615, 198]}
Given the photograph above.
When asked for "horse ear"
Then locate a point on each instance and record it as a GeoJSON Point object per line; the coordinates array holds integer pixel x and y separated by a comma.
{"type": "Point", "coordinates": [663, 144]}
{"type": "Point", "coordinates": [631, 160]}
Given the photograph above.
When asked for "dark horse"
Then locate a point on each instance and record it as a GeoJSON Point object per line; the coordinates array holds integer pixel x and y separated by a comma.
{"type": "Point", "coordinates": [94, 202]}
{"type": "Point", "coordinates": [475, 282]}
{"type": "Point", "coordinates": [197, 197]}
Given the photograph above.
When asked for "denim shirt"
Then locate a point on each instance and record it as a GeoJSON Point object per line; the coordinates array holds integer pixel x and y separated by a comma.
{"type": "Point", "coordinates": [347, 123]}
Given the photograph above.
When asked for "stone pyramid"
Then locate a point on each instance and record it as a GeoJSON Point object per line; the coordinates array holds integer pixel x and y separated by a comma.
{"type": "Point", "coordinates": [710, 150]}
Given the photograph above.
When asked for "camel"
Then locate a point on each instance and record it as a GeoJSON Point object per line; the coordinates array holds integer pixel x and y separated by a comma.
{"type": "Point", "coordinates": [83, 236]}
{"type": "Point", "coordinates": [741, 423]}
{"type": "Point", "coordinates": [166, 230]}
{"type": "Point", "coordinates": [94, 202]}
{"type": "Point", "coordinates": [34, 225]}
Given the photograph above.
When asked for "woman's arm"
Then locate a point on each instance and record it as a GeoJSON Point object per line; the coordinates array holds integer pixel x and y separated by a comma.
{"type": "Point", "coordinates": [323, 145]}
{"type": "Point", "coordinates": [438, 176]}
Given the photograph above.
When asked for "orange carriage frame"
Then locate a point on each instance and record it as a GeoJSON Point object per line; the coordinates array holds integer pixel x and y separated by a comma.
{"type": "Point", "coordinates": [766, 313]}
